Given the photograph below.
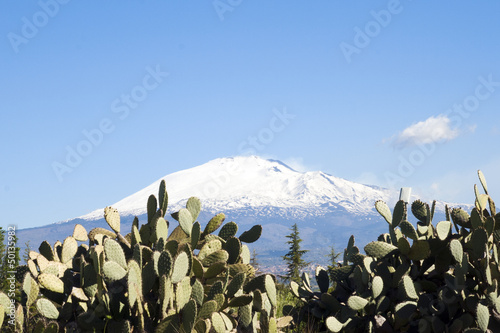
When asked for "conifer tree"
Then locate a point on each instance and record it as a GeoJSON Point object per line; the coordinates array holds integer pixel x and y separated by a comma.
{"type": "Point", "coordinates": [254, 262]}
{"type": "Point", "coordinates": [293, 258]}
{"type": "Point", "coordinates": [332, 258]}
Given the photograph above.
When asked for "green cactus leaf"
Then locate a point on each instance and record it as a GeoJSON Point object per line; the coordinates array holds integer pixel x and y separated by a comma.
{"type": "Point", "coordinates": [197, 268]}
{"type": "Point", "coordinates": [194, 206]}
{"type": "Point", "coordinates": [47, 309]}
{"type": "Point", "coordinates": [419, 210]}
{"type": "Point", "coordinates": [460, 217]}
{"type": "Point", "coordinates": [180, 267]}
{"type": "Point", "coordinates": [214, 223]}
{"type": "Point", "coordinates": [405, 309]}
{"type": "Point", "coordinates": [456, 250]}
{"type": "Point", "coordinates": [419, 250]}
{"type": "Point", "coordinates": [189, 313]}
{"type": "Point", "coordinates": [233, 247]}
{"type": "Point", "coordinates": [216, 288]}
{"type": "Point", "coordinates": [186, 221]}
{"type": "Point", "coordinates": [408, 288]}
{"type": "Point", "coordinates": [207, 309]}
{"type": "Point", "coordinates": [245, 254]}
{"type": "Point", "coordinates": [377, 286]}
{"type": "Point", "coordinates": [251, 235]}
{"type": "Point", "coordinates": [183, 293]}
{"type": "Point", "coordinates": [93, 234]}
{"type": "Point", "coordinates": [408, 230]}
{"type": "Point", "coordinates": [79, 233]}
{"type": "Point", "coordinates": [113, 271]}
{"type": "Point", "coordinates": [163, 197]}
{"type": "Point", "coordinates": [482, 316]}
{"type": "Point", "coordinates": [152, 207]}
{"type": "Point", "coordinates": [195, 234]}
{"type": "Point", "coordinates": [69, 249]}
{"type": "Point", "coordinates": [197, 292]}
{"type": "Point", "coordinates": [270, 288]}
{"type": "Point", "coordinates": [161, 229]}
{"type": "Point", "coordinates": [217, 256]}
{"type": "Point", "coordinates": [218, 323]}
{"type": "Point", "coordinates": [482, 201]}
{"type": "Point", "coordinates": [228, 230]}
{"type": "Point", "coordinates": [380, 249]}
{"type": "Point", "coordinates": [443, 229]}
{"type": "Point", "coordinates": [215, 269]}
{"type": "Point", "coordinates": [399, 213]}
{"type": "Point", "coordinates": [51, 282]}
{"type": "Point", "coordinates": [357, 303]}
{"type": "Point", "coordinates": [341, 273]}
{"type": "Point", "coordinates": [45, 250]}
{"type": "Point", "coordinates": [113, 218]}
{"type": "Point", "coordinates": [482, 179]}
{"type": "Point", "coordinates": [478, 242]}
{"type": "Point", "coordinates": [322, 279]}
{"type": "Point", "coordinates": [245, 313]}
{"type": "Point", "coordinates": [209, 248]}
{"type": "Point", "coordinates": [30, 289]}
{"type": "Point", "coordinates": [114, 252]}
{"type": "Point", "coordinates": [2, 315]}
{"type": "Point", "coordinates": [240, 301]}
{"type": "Point", "coordinates": [384, 210]}
{"type": "Point", "coordinates": [403, 246]}
{"type": "Point", "coordinates": [236, 284]}
{"type": "Point", "coordinates": [333, 324]}
{"type": "Point", "coordinates": [475, 219]}
{"type": "Point", "coordinates": [164, 263]}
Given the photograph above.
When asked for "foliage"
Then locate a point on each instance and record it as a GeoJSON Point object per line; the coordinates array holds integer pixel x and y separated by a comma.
{"type": "Point", "coordinates": [428, 278]}
{"type": "Point", "coordinates": [149, 280]}
{"type": "Point", "coordinates": [293, 258]}
{"type": "Point", "coordinates": [332, 258]}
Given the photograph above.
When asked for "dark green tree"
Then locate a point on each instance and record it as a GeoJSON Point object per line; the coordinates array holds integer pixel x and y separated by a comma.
{"type": "Point", "coordinates": [254, 262]}
{"type": "Point", "coordinates": [293, 259]}
{"type": "Point", "coordinates": [332, 258]}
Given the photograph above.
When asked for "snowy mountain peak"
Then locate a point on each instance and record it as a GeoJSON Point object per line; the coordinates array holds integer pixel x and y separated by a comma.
{"type": "Point", "coordinates": [251, 182]}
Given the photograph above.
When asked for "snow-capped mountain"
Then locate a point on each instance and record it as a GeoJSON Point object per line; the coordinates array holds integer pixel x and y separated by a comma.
{"type": "Point", "coordinates": [257, 185]}
{"type": "Point", "coordinates": [252, 190]}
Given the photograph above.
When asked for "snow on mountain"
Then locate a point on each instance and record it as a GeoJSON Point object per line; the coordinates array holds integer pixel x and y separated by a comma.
{"type": "Point", "coordinates": [255, 184]}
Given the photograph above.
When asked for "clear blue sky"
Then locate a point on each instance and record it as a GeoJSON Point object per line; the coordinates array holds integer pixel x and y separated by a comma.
{"type": "Point", "coordinates": [368, 84]}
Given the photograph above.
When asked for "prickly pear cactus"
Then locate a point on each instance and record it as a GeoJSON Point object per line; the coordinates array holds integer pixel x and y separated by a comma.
{"type": "Point", "coordinates": [423, 277]}
{"type": "Point", "coordinates": [149, 280]}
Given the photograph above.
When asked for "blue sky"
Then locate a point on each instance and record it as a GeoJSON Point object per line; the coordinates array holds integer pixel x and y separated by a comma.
{"type": "Point", "coordinates": [391, 93]}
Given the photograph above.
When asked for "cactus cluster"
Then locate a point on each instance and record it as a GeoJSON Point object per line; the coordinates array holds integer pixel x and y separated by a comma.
{"type": "Point", "coordinates": [149, 280]}
{"type": "Point", "coordinates": [432, 277]}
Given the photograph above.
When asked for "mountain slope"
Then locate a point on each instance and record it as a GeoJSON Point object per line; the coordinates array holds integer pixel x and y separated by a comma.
{"type": "Point", "coordinates": [255, 184]}
{"type": "Point", "coordinates": [251, 190]}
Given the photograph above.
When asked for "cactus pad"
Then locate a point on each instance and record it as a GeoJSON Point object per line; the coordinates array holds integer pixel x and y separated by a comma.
{"type": "Point", "coordinates": [47, 309]}
{"type": "Point", "coordinates": [384, 210]}
{"type": "Point", "coordinates": [113, 218]}
{"type": "Point", "coordinates": [113, 271]}
{"type": "Point", "coordinates": [251, 235]}
{"type": "Point", "coordinates": [380, 249]}
{"type": "Point", "coordinates": [180, 267]}
{"type": "Point", "coordinates": [228, 230]}
{"type": "Point", "coordinates": [79, 233]}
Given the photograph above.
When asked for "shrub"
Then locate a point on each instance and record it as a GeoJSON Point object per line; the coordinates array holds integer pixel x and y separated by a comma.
{"type": "Point", "coordinates": [440, 277]}
{"type": "Point", "coordinates": [188, 280]}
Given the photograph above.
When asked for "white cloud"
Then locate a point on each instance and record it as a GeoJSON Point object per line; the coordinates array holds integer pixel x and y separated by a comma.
{"type": "Point", "coordinates": [433, 129]}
